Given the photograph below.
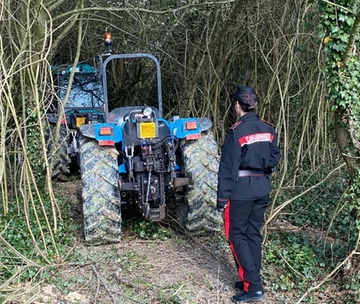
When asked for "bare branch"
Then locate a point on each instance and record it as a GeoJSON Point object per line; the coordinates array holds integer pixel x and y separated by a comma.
{"type": "Point", "coordinates": [101, 280]}
{"type": "Point", "coordinates": [340, 6]}
{"type": "Point", "coordinates": [140, 9]}
{"type": "Point", "coordinates": [52, 5]}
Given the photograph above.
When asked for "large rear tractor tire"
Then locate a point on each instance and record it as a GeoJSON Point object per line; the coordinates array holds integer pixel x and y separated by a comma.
{"type": "Point", "coordinates": [100, 194]}
{"type": "Point", "coordinates": [201, 161]}
{"type": "Point", "coordinates": [57, 153]}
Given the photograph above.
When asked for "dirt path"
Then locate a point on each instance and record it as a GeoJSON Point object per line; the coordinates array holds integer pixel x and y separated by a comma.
{"type": "Point", "coordinates": [181, 269]}
{"type": "Point", "coordinates": [149, 272]}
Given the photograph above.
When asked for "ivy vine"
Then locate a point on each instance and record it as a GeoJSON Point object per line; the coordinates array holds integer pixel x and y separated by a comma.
{"type": "Point", "coordinates": [341, 70]}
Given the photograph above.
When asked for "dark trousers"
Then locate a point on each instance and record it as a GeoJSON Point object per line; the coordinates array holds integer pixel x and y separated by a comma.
{"type": "Point", "coordinates": [242, 223]}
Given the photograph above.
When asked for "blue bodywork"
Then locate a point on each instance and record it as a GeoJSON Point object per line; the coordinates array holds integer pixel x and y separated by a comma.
{"type": "Point", "coordinates": [175, 128]}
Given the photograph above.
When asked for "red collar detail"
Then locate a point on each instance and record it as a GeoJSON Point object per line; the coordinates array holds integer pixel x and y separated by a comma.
{"type": "Point", "coordinates": [235, 125]}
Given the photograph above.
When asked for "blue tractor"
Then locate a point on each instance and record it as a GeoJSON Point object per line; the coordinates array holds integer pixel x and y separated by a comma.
{"type": "Point", "coordinates": [133, 157]}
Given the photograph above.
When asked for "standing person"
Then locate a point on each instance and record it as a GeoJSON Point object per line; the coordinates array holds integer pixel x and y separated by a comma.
{"type": "Point", "coordinates": [249, 154]}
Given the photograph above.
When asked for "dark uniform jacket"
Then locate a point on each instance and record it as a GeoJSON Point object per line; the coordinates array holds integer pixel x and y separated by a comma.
{"type": "Point", "coordinates": [250, 144]}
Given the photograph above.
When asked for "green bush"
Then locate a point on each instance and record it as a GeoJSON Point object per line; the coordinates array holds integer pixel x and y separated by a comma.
{"type": "Point", "coordinates": [294, 260]}
{"type": "Point", "coordinates": [147, 230]}
{"type": "Point", "coordinates": [22, 230]}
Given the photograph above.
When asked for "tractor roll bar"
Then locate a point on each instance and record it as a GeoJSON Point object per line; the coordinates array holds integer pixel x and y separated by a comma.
{"type": "Point", "coordinates": [102, 71]}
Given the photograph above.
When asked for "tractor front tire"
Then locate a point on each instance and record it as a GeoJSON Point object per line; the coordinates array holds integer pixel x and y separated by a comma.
{"type": "Point", "coordinates": [201, 161]}
{"type": "Point", "coordinates": [100, 193]}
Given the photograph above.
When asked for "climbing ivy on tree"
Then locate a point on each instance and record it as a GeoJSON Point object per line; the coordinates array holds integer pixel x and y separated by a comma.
{"type": "Point", "coordinates": [339, 31]}
{"type": "Point", "coordinates": [341, 78]}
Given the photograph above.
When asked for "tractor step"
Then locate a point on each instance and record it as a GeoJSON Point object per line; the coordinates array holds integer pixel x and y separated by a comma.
{"type": "Point", "coordinates": [183, 181]}
{"type": "Point", "coordinates": [156, 214]}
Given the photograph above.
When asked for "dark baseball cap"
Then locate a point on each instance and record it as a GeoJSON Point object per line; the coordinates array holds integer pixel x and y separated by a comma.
{"type": "Point", "coordinates": [246, 95]}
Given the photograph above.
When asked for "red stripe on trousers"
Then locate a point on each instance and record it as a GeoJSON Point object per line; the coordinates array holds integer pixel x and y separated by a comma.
{"type": "Point", "coordinates": [226, 230]}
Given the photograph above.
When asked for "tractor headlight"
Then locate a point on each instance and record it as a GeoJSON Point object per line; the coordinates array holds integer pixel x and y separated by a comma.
{"type": "Point", "coordinates": [147, 111]}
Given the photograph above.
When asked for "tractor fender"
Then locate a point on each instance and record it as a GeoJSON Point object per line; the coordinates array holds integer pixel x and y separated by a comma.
{"type": "Point", "coordinates": [113, 132]}
{"type": "Point", "coordinates": [87, 130]}
{"type": "Point", "coordinates": [205, 123]}
{"type": "Point", "coordinates": [52, 118]}
{"type": "Point", "coordinates": [178, 127]}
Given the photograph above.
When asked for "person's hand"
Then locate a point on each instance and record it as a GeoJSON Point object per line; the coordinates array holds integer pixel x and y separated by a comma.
{"type": "Point", "coordinates": [269, 170]}
{"type": "Point", "coordinates": [221, 203]}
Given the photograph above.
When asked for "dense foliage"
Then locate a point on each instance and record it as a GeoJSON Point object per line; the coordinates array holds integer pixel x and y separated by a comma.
{"type": "Point", "coordinates": [339, 30]}
{"type": "Point", "coordinates": [299, 55]}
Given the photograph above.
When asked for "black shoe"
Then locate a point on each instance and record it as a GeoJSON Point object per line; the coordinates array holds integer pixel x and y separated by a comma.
{"type": "Point", "coordinates": [248, 296]}
{"type": "Point", "coordinates": [239, 285]}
